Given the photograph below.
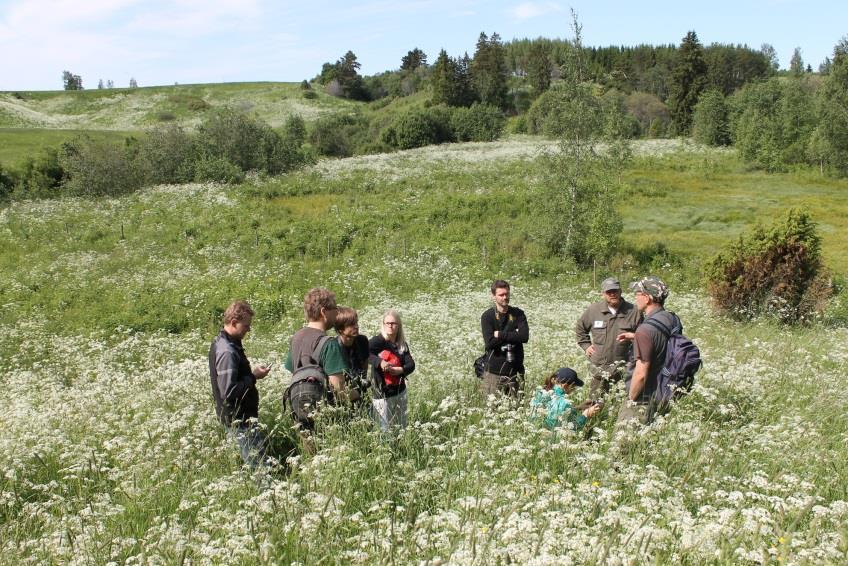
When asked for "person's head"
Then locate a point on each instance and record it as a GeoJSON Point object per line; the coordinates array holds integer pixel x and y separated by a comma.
{"type": "Point", "coordinates": [611, 290]}
{"type": "Point", "coordinates": [500, 294]}
{"type": "Point", "coordinates": [392, 327]}
{"type": "Point", "coordinates": [565, 378]}
{"type": "Point", "coordinates": [347, 325]}
{"type": "Point", "coordinates": [237, 319]}
{"type": "Point", "coordinates": [649, 291]}
{"type": "Point", "coordinates": [319, 305]}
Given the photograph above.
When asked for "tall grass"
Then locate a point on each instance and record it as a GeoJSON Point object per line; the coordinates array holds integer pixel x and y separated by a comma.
{"type": "Point", "coordinates": [111, 451]}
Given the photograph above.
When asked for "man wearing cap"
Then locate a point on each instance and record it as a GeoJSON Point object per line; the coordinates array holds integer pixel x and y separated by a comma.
{"type": "Point", "coordinates": [597, 331]}
{"type": "Point", "coordinates": [649, 346]}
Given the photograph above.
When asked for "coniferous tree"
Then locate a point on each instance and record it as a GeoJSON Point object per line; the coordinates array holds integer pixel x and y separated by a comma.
{"type": "Point", "coordinates": [71, 81]}
{"type": "Point", "coordinates": [450, 82]}
{"type": "Point", "coordinates": [833, 110]}
{"type": "Point", "coordinates": [413, 59]}
{"type": "Point", "coordinates": [687, 81]}
{"type": "Point", "coordinates": [488, 71]}
{"type": "Point", "coordinates": [796, 64]}
{"type": "Point", "coordinates": [539, 67]}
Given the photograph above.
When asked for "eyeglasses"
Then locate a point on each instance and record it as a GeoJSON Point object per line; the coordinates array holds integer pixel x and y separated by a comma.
{"type": "Point", "coordinates": [390, 323]}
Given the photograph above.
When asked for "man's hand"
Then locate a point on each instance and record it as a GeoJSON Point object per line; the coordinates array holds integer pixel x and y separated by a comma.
{"type": "Point", "coordinates": [261, 372]}
{"type": "Point", "coordinates": [591, 411]}
{"type": "Point", "coordinates": [590, 351]}
{"type": "Point", "coordinates": [625, 336]}
{"type": "Point", "coordinates": [497, 334]}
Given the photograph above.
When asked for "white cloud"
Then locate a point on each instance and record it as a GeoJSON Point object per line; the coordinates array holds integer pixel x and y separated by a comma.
{"type": "Point", "coordinates": [527, 10]}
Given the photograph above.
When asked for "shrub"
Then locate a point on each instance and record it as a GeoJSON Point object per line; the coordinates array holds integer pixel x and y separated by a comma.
{"type": "Point", "coordinates": [95, 167]}
{"type": "Point", "coordinates": [6, 182]}
{"type": "Point", "coordinates": [217, 169]}
{"type": "Point", "coordinates": [166, 116]}
{"type": "Point", "coordinates": [774, 272]}
{"type": "Point", "coordinates": [339, 135]}
{"type": "Point", "coordinates": [309, 94]}
{"type": "Point", "coordinates": [480, 122]}
{"type": "Point", "coordinates": [419, 128]}
{"type": "Point", "coordinates": [709, 122]}
{"type": "Point", "coordinates": [39, 177]}
{"type": "Point", "coordinates": [167, 154]}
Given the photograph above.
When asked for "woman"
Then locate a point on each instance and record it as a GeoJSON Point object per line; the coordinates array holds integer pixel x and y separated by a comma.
{"type": "Point", "coordinates": [552, 404]}
{"type": "Point", "coordinates": [391, 363]}
{"type": "Point", "coordinates": [354, 347]}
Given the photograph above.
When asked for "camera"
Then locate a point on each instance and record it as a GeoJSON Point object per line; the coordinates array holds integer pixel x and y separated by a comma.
{"type": "Point", "coordinates": [509, 349]}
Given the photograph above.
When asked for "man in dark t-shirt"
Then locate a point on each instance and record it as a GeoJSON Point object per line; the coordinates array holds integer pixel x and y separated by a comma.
{"type": "Point", "coordinates": [649, 348]}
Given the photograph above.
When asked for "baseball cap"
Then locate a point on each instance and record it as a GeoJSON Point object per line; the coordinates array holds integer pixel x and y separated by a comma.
{"type": "Point", "coordinates": [610, 284]}
{"type": "Point", "coordinates": [566, 376]}
{"type": "Point", "coordinates": [651, 286]}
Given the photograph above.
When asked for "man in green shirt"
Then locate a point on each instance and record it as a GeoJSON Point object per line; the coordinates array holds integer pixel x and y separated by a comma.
{"type": "Point", "coordinates": [310, 347]}
{"type": "Point", "coordinates": [597, 331]}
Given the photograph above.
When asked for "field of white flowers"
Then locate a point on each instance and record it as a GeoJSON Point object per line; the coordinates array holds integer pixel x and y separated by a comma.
{"type": "Point", "coordinates": [110, 451]}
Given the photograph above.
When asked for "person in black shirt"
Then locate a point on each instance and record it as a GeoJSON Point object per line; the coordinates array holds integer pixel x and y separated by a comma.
{"type": "Point", "coordinates": [505, 332]}
{"type": "Point", "coordinates": [391, 363]}
{"type": "Point", "coordinates": [234, 384]}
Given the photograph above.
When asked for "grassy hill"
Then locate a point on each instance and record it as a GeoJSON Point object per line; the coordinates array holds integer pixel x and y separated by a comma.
{"type": "Point", "coordinates": [30, 121]}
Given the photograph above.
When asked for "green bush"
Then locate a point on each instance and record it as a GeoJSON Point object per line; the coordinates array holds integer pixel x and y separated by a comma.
{"type": "Point", "coordinates": [167, 154]}
{"type": "Point", "coordinates": [710, 120]}
{"type": "Point", "coordinates": [38, 177]}
{"type": "Point", "coordinates": [96, 167]}
{"type": "Point", "coordinates": [775, 272]}
{"type": "Point", "coordinates": [248, 143]}
{"type": "Point", "coordinates": [217, 169]}
{"type": "Point", "coordinates": [309, 94]}
{"type": "Point", "coordinates": [419, 128]}
{"type": "Point", "coordinates": [480, 122]}
{"type": "Point", "coordinates": [339, 135]}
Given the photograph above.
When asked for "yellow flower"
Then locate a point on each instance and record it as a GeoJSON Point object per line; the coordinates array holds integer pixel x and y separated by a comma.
{"type": "Point", "coordinates": [596, 484]}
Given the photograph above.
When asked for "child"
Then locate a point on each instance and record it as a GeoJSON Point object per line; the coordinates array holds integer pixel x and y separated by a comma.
{"type": "Point", "coordinates": [552, 402]}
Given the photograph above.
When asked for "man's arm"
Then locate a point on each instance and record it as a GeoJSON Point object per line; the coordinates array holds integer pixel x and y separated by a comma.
{"type": "Point", "coordinates": [487, 324]}
{"type": "Point", "coordinates": [637, 382]}
{"type": "Point", "coordinates": [518, 332]}
{"type": "Point", "coordinates": [231, 388]}
{"type": "Point", "coordinates": [581, 331]}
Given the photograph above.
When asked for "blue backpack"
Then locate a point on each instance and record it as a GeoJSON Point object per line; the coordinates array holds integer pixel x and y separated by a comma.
{"type": "Point", "coordinates": [682, 361]}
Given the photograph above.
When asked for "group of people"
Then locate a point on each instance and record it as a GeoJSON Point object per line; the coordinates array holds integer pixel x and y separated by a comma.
{"type": "Point", "coordinates": [348, 368]}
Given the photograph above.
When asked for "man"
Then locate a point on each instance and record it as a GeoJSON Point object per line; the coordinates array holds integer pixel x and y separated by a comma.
{"type": "Point", "coordinates": [305, 395]}
{"type": "Point", "coordinates": [597, 331]}
{"type": "Point", "coordinates": [505, 331]}
{"type": "Point", "coordinates": [354, 347]}
{"type": "Point", "coordinates": [234, 384]}
{"type": "Point", "coordinates": [649, 347]}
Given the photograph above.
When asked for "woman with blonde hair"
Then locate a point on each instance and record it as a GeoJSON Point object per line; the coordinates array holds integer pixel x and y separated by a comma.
{"type": "Point", "coordinates": [391, 362]}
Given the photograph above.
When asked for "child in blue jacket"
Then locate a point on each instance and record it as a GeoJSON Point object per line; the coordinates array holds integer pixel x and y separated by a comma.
{"type": "Point", "coordinates": [552, 405]}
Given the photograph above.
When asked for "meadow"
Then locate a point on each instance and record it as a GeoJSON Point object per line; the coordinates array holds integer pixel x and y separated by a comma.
{"type": "Point", "coordinates": [111, 451]}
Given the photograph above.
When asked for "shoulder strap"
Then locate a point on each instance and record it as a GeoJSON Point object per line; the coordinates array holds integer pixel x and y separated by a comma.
{"type": "Point", "coordinates": [659, 326]}
{"type": "Point", "coordinates": [319, 347]}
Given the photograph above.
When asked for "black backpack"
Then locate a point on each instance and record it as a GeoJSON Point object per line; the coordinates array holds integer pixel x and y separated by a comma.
{"type": "Point", "coordinates": [682, 361]}
{"type": "Point", "coordinates": [310, 372]}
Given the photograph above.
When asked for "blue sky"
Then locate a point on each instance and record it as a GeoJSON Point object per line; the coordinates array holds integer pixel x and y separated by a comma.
{"type": "Point", "coordinates": [202, 41]}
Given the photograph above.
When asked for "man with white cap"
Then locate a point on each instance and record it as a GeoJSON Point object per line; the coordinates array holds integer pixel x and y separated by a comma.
{"type": "Point", "coordinates": [597, 331]}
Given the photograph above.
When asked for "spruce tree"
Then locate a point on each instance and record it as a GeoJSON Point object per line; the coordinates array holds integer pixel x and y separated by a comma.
{"type": "Point", "coordinates": [488, 71]}
{"type": "Point", "coordinates": [539, 67]}
{"type": "Point", "coordinates": [687, 81]}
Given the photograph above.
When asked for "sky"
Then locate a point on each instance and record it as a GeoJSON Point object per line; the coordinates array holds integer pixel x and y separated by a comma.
{"type": "Point", "coordinates": [210, 41]}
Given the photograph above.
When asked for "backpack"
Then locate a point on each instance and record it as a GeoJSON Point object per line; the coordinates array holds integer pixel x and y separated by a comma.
{"type": "Point", "coordinates": [310, 372]}
{"type": "Point", "coordinates": [682, 361]}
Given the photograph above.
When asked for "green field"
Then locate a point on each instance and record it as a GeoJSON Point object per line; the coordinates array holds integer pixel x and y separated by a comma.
{"type": "Point", "coordinates": [111, 451]}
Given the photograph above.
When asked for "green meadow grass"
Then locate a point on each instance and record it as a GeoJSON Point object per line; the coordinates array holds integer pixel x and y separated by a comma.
{"type": "Point", "coordinates": [18, 143]}
{"type": "Point", "coordinates": [694, 205]}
